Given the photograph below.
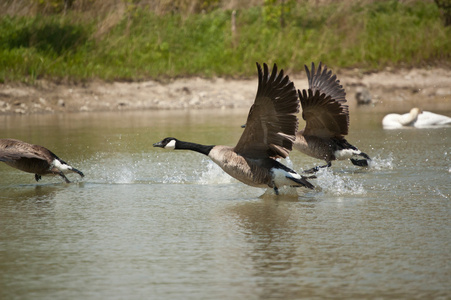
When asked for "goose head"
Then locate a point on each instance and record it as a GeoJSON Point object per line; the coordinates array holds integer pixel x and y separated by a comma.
{"type": "Point", "coordinates": [167, 143]}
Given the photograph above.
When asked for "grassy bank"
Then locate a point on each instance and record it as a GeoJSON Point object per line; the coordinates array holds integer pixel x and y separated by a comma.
{"type": "Point", "coordinates": [140, 44]}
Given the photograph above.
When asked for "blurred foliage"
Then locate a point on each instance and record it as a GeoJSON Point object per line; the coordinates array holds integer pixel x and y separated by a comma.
{"type": "Point", "coordinates": [54, 6]}
{"type": "Point", "coordinates": [445, 10]}
{"type": "Point", "coordinates": [136, 43]}
{"type": "Point", "coordinates": [50, 36]}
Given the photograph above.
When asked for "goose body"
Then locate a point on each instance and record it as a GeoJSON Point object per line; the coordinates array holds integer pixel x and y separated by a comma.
{"type": "Point", "coordinates": [33, 159]}
{"type": "Point", "coordinates": [326, 116]}
{"type": "Point", "coordinates": [270, 132]}
{"type": "Point", "coordinates": [415, 118]}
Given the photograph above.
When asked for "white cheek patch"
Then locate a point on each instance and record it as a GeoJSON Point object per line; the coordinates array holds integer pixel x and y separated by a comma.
{"type": "Point", "coordinates": [170, 145]}
{"type": "Point", "coordinates": [62, 167]}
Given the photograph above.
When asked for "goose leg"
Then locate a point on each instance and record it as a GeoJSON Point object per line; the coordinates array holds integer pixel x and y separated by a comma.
{"type": "Point", "coordinates": [276, 190]}
{"type": "Point", "coordinates": [64, 177]}
{"type": "Point", "coordinates": [316, 169]}
{"type": "Point", "coordinates": [37, 177]}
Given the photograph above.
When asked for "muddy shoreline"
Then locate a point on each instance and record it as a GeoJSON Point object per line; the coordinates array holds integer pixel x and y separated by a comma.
{"type": "Point", "coordinates": [400, 90]}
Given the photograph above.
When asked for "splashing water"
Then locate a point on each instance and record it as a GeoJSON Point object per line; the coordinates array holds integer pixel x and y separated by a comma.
{"type": "Point", "coordinates": [213, 174]}
{"type": "Point", "coordinates": [123, 175]}
{"type": "Point", "coordinates": [120, 169]}
{"type": "Point", "coordinates": [111, 169]}
{"type": "Point", "coordinates": [438, 192]}
{"type": "Point", "coordinates": [162, 169]}
{"type": "Point", "coordinates": [338, 184]}
{"type": "Point", "coordinates": [153, 169]}
{"type": "Point", "coordinates": [379, 163]}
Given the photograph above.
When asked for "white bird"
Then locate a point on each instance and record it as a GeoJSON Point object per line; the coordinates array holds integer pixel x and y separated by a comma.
{"type": "Point", "coordinates": [415, 118]}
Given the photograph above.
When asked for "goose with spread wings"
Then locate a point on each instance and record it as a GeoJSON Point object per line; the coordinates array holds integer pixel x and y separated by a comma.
{"type": "Point", "coordinates": [270, 132]}
{"type": "Point", "coordinates": [33, 159]}
{"type": "Point", "coordinates": [326, 118]}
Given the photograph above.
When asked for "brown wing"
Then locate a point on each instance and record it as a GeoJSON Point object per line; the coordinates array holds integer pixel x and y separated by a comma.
{"type": "Point", "coordinates": [272, 123]}
{"type": "Point", "coordinates": [16, 148]}
{"type": "Point", "coordinates": [323, 104]}
{"type": "Point", "coordinates": [25, 161]}
{"type": "Point", "coordinates": [11, 156]}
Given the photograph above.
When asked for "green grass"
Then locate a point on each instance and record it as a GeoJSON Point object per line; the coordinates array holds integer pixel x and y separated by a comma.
{"type": "Point", "coordinates": [143, 45]}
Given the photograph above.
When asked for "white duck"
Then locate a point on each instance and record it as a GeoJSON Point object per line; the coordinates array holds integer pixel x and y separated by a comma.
{"type": "Point", "coordinates": [415, 118]}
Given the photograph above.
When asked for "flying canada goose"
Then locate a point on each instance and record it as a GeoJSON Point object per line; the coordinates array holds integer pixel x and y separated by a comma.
{"type": "Point", "coordinates": [327, 120]}
{"type": "Point", "coordinates": [270, 132]}
{"type": "Point", "coordinates": [415, 118]}
{"type": "Point", "coordinates": [33, 159]}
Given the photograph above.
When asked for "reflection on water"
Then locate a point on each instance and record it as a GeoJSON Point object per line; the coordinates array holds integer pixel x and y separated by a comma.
{"type": "Point", "coordinates": [273, 231]}
{"type": "Point", "coordinates": [159, 224]}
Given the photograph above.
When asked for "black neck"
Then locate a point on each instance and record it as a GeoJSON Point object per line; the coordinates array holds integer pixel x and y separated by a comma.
{"type": "Point", "coordinates": [181, 145]}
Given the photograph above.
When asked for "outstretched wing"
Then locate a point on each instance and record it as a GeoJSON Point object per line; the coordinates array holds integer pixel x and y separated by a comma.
{"type": "Point", "coordinates": [272, 123]}
{"type": "Point", "coordinates": [323, 104]}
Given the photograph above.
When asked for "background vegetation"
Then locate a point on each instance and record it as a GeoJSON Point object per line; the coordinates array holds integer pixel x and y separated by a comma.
{"type": "Point", "coordinates": [77, 40]}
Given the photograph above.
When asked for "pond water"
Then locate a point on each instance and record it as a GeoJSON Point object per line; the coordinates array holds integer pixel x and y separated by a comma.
{"type": "Point", "coordinates": [146, 223]}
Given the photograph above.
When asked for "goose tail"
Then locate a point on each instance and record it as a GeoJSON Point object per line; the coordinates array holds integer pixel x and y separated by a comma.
{"type": "Point", "coordinates": [303, 181]}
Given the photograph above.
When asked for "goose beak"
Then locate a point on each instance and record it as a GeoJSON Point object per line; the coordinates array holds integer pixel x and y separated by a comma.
{"type": "Point", "coordinates": [243, 126]}
{"type": "Point", "coordinates": [78, 172]}
{"type": "Point", "coordinates": [159, 144]}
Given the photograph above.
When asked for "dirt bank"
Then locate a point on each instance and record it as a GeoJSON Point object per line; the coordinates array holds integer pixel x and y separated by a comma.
{"type": "Point", "coordinates": [399, 89]}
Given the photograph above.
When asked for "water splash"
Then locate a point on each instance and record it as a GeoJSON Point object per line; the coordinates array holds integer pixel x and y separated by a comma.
{"type": "Point", "coordinates": [109, 169]}
{"type": "Point", "coordinates": [123, 175]}
{"type": "Point", "coordinates": [338, 184]}
{"type": "Point", "coordinates": [167, 172]}
{"type": "Point", "coordinates": [438, 192]}
{"type": "Point", "coordinates": [146, 168]}
{"type": "Point", "coordinates": [155, 169]}
{"type": "Point", "coordinates": [213, 174]}
{"type": "Point", "coordinates": [379, 163]}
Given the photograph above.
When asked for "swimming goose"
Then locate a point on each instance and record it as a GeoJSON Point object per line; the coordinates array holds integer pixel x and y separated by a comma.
{"type": "Point", "coordinates": [33, 159]}
{"type": "Point", "coordinates": [270, 129]}
{"type": "Point", "coordinates": [327, 120]}
{"type": "Point", "coordinates": [415, 118]}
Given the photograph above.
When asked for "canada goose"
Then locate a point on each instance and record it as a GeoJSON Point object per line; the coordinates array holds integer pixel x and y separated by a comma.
{"type": "Point", "coordinates": [33, 159]}
{"type": "Point", "coordinates": [271, 126]}
{"type": "Point", "coordinates": [415, 118]}
{"type": "Point", "coordinates": [327, 120]}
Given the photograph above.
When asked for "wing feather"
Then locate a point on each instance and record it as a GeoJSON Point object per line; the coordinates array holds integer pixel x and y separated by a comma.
{"type": "Point", "coordinates": [323, 104]}
{"type": "Point", "coordinates": [272, 123]}
{"type": "Point", "coordinates": [15, 149]}
{"type": "Point", "coordinates": [10, 156]}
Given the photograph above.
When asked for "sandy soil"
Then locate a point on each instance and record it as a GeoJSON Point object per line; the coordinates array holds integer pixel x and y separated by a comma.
{"type": "Point", "coordinates": [399, 90]}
